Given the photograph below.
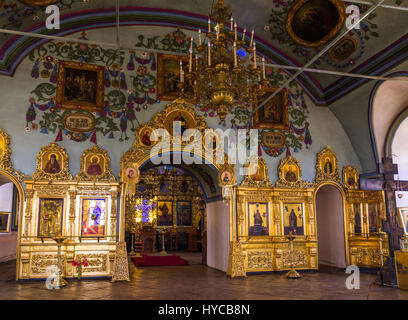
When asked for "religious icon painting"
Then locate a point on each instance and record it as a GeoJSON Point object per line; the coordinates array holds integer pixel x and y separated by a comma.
{"type": "Point", "coordinates": [357, 212]}
{"type": "Point", "coordinates": [327, 167]}
{"type": "Point", "coordinates": [95, 165]}
{"type": "Point", "coordinates": [258, 219]}
{"type": "Point", "coordinates": [50, 217]}
{"type": "Point", "coordinates": [350, 177]}
{"type": "Point", "coordinates": [372, 210]}
{"type": "Point", "coordinates": [293, 218]}
{"type": "Point", "coordinates": [4, 222]}
{"type": "Point", "coordinates": [145, 136]}
{"type": "Point", "coordinates": [168, 75]}
{"type": "Point", "coordinates": [184, 214]}
{"type": "Point", "coordinates": [291, 173]}
{"type": "Point", "coordinates": [164, 213]}
{"type": "Point", "coordinates": [93, 217]}
{"type": "Point", "coordinates": [403, 217]}
{"type": "Point", "coordinates": [80, 86]}
{"type": "Point", "coordinates": [52, 162]}
{"type": "Point", "coordinates": [274, 114]}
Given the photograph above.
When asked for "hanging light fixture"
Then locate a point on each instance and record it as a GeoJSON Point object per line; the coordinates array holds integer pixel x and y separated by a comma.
{"type": "Point", "coordinates": [219, 78]}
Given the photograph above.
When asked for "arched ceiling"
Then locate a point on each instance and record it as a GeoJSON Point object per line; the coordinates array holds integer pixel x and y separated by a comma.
{"type": "Point", "coordinates": [379, 44]}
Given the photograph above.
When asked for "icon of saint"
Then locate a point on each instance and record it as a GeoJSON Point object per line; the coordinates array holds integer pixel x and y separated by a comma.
{"type": "Point", "coordinates": [146, 139]}
{"type": "Point", "coordinates": [328, 167]}
{"type": "Point", "coordinates": [258, 221]}
{"type": "Point", "coordinates": [290, 175]}
{"type": "Point", "coordinates": [94, 168]}
{"type": "Point", "coordinates": [52, 165]}
{"type": "Point", "coordinates": [292, 219]}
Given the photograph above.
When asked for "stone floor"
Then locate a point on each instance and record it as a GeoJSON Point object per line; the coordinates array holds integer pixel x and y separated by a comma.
{"type": "Point", "coordinates": [197, 282]}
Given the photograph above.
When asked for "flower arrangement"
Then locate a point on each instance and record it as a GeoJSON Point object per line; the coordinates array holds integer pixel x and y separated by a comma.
{"type": "Point", "coordinates": [79, 264]}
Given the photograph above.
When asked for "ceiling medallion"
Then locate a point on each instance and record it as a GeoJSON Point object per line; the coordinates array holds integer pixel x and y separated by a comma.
{"type": "Point", "coordinates": [38, 3]}
{"type": "Point", "coordinates": [312, 23]}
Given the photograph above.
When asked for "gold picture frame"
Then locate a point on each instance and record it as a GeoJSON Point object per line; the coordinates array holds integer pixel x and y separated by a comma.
{"type": "Point", "coordinates": [80, 86]}
{"type": "Point", "coordinates": [327, 166]}
{"type": "Point", "coordinates": [50, 217]}
{"type": "Point", "coordinates": [92, 219]}
{"type": "Point", "coordinates": [168, 75]}
{"type": "Point", "coordinates": [350, 177]}
{"type": "Point", "coordinates": [274, 114]}
{"type": "Point", "coordinates": [293, 214]}
{"type": "Point", "coordinates": [258, 219]}
{"type": "Point", "coordinates": [52, 164]}
{"type": "Point", "coordinates": [95, 166]}
{"type": "Point", "coordinates": [5, 222]}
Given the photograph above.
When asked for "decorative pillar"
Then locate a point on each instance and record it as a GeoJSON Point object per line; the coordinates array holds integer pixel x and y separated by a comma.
{"type": "Point", "coordinates": [72, 198]}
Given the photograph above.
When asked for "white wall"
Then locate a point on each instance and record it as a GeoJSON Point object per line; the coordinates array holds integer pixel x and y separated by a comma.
{"type": "Point", "coordinates": [400, 150]}
{"type": "Point", "coordinates": [8, 241]}
{"type": "Point", "coordinates": [330, 227]}
{"type": "Point", "coordinates": [217, 235]}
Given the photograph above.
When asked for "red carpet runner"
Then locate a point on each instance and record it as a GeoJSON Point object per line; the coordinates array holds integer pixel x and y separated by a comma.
{"type": "Point", "coordinates": [150, 261]}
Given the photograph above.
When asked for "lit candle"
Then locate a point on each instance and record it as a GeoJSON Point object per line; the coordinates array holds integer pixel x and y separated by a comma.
{"type": "Point", "coordinates": [217, 30]}
{"type": "Point", "coordinates": [196, 62]}
{"type": "Point", "coordinates": [235, 55]}
{"type": "Point", "coordinates": [199, 37]}
{"type": "Point", "coordinates": [209, 25]}
{"type": "Point", "coordinates": [181, 71]}
{"type": "Point", "coordinates": [209, 53]}
{"type": "Point", "coordinates": [263, 68]}
{"type": "Point", "coordinates": [243, 35]}
{"type": "Point", "coordinates": [235, 27]}
{"type": "Point", "coordinates": [182, 76]}
{"type": "Point", "coordinates": [252, 38]}
{"type": "Point", "coordinates": [232, 21]}
{"type": "Point", "coordinates": [190, 62]}
{"type": "Point", "coordinates": [254, 55]}
{"type": "Point", "coordinates": [191, 43]}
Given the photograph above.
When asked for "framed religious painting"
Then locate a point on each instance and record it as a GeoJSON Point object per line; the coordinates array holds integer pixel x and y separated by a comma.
{"type": "Point", "coordinates": [52, 163]}
{"type": "Point", "coordinates": [350, 177]}
{"type": "Point", "coordinates": [184, 214]}
{"type": "Point", "coordinates": [164, 213]}
{"type": "Point", "coordinates": [5, 222]}
{"type": "Point", "coordinates": [258, 219]}
{"type": "Point", "coordinates": [274, 114]}
{"type": "Point", "coordinates": [95, 165]}
{"type": "Point", "coordinates": [50, 213]}
{"type": "Point", "coordinates": [80, 86]}
{"type": "Point", "coordinates": [403, 218]}
{"type": "Point", "coordinates": [93, 217]}
{"type": "Point", "coordinates": [373, 217]}
{"type": "Point", "coordinates": [168, 75]}
{"type": "Point", "coordinates": [293, 218]}
{"type": "Point", "coordinates": [357, 213]}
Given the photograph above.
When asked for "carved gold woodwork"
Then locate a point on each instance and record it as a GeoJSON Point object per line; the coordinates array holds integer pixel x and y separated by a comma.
{"type": "Point", "coordinates": [290, 174]}
{"type": "Point", "coordinates": [327, 167]}
{"type": "Point", "coordinates": [95, 166]}
{"type": "Point", "coordinates": [140, 152]}
{"type": "Point", "coordinates": [5, 154]}
{"type": "Point", "coordinates": [46, 170]}
{"type": "Point", "coordinates": [350, 177]}
{"type": "Point", "coordinates": [36, 253]}
{"type": "Point", "coordinates": [257, 174]}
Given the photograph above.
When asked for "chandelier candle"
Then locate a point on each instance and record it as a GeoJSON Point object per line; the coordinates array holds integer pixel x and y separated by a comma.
{"type": "Point", "coordinates": [252, 38]}
{"type": "Point", "coordinates": [209, 53]}
{"type": "Point", "coordinates": [254, 56]}
{"type": "Point", "coordinates": [263, 68]}
{"type": "Point", "coordinates": [243, 36]}
{"type": "Point", "coordinates": [209, 26]}
{"type": "Point", "coordinates": [235, 27]}
{"type": "Point", "coordinates": [232, 21]}
{"type": "Point", "coordinates": [235, 55]}
{"type": "Point", "coordinates": [199, 37]}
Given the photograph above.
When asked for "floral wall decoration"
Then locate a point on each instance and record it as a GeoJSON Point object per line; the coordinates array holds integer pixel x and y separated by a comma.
{"type": "Point", "coordinates": [356, 46]}
{"type": "Point", "coordinates": [297, 134]}
{"type": "Point", "coordinates": [17, 12]}
{"type": "Point", "coordinates": [130, 87]}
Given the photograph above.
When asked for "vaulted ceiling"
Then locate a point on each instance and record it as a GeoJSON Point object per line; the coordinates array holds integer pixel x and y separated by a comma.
{"type": "Point", "coordinates": [380, 44]}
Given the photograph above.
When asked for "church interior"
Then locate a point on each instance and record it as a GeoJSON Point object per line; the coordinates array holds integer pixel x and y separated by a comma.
{"type": "Point", "coordinates": [255, 149]}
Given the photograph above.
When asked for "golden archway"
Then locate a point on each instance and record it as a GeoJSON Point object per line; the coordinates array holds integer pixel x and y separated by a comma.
{"type": "Point", "coordinates": [150, 134]}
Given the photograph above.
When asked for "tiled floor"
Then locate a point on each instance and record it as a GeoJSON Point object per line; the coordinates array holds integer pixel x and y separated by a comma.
{"type": "Point", "coordinates": [199, 282]}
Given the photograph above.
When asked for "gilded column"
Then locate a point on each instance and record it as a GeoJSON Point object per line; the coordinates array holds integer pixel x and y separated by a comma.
{"type": "Point", "coordinates": [72, 215]}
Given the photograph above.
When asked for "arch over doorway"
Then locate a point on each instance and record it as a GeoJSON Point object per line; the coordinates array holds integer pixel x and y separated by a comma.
{"type": "Point", "coordinates": [329, 199]}
{"type": "Point", "coordinates": [142, 152]}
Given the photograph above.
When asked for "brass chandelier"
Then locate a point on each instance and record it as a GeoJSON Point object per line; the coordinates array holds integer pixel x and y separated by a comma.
{"type": "Point", "coordinates": [220, 78]}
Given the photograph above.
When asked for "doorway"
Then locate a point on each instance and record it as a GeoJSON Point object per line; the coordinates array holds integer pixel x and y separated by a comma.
{"type": "Point", "coordinates": [330, 226]}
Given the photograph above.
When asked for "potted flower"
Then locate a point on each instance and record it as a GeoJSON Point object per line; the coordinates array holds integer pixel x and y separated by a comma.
{"type": "Point", "coordinates": [79, 264]}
